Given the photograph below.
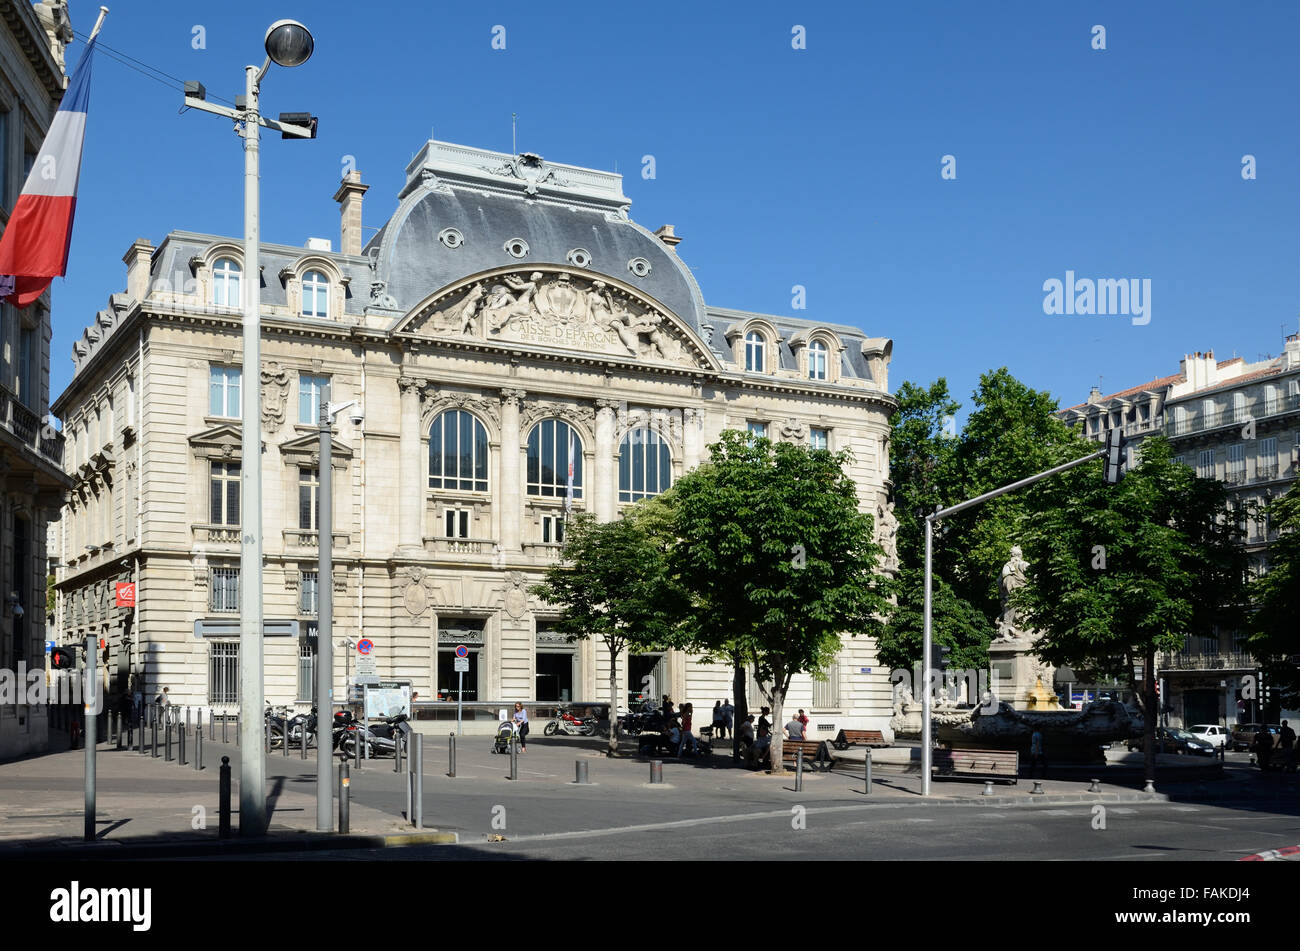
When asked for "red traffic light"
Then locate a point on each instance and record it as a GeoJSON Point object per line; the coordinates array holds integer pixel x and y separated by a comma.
{"type": "Point", "coordinates": [62, 659]}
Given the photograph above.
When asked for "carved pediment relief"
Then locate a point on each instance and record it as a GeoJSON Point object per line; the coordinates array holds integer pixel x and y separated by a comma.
{"type": "Point", "coordinates": [545, 409]}
{"type": "Point", "coordinates": [549, 306]}
{"type": "Point", "coordinates": [305, 450]}
{"type": "Point", "coordinates": [434, 401]}
{"type": "Point", "coordinates": [220, 442]}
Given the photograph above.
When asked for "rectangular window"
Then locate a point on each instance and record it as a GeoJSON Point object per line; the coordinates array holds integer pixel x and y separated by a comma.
{"type": "Point", "coordinates": [819, 438]}
{"type": "Point", "coordinates": [223, 501]}
{"type": "Point", "coordinates": [1205, 464]}
{"type": "Point", "coordinates": [1266, 459]}
{"type": "Point", "coordinates": [552, 529]}
{"type": "Point", "coordinates": [308, 499]}
{"type": "Point", "coordinates": [306, 669]}
{"type": "Point", "coordinates": [757, 430]}
{"type": "Point", "coordinates": [456, 522]}
{"type": "Point", "coordinates": [223, 672]}
{"type": "Point", "coordinates": [308, 592]}
{"type": "Point", "coordinates": [223, 388]}
{"type": "Point", "coordinates": [1236, 463]}
{"type": "Point", "coordinates": [826, 693]}
{"type": "Point", "coordinates": [309, 390]}
{"type": "Point", "coordinates": [224, 597]}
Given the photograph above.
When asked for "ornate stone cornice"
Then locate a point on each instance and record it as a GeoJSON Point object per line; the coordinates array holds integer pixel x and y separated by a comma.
{"type": "Point", "coordinates": [513, 396]}
{"type": "Point", "coordinates": [569, 412]}
{"type": "Point", "coordinates": [434, 401]}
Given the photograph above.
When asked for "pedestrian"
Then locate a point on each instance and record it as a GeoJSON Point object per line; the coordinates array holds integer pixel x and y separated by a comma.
{"type": "Point", "coordinates": [728, 711]}
{"type": "Point", "coordinates": [719, 720]}
{"type": "Point", "coordinates": [1036, 757]}
{"type": "Point", "coordinates": [687, 738]}
{"type": "Point", "coordinates": [521, 726]}
{"type": "Point", "coordinates": [794, 729]}
{"type": "Point", "coordinates": [1287, 742]}
{"type": "Point", "coordinates": [162, 702]}
{"type": "Point", "coordinates": [668, 708]}
{"type": "Point", "coordinates": [803, 719]}
{"type": "Point", "coordinates": [764, 724]}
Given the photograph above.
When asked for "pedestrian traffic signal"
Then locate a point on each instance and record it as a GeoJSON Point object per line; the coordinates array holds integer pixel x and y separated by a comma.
{"type": "Point", "coordinates": [62, 659]}
{"type": "Point", "coordinates": [1114, 458]}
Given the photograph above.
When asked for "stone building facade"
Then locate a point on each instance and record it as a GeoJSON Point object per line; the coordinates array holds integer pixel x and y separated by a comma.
{"type": "Point", "coordinates": [32, 480]}
{"type": "Point", "coordinates": [1238, 422]}
{"type": "Point", "coordinates": [508, 321]}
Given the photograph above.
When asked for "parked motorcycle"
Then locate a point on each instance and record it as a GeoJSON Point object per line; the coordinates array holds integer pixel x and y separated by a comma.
{"type": "Point", "coordinates": [569, 725]}
{"type": "Point", "coordinates": [303, 723]}
{"type": "Point", "coordinates": [278, 718]}
{"type": "Point", "coordinates": [381, 739]}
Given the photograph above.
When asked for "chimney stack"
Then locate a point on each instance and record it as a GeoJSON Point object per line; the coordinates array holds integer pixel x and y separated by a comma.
{"type": "Point", "coordinates": [137, 259]}
{"type": "Point", "coordinates": [349, 198]}
{"type": "Point", "coordinates": [668, 237]}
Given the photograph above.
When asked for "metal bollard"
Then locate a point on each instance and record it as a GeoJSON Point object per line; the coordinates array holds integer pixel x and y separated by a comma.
{"type": "Point", "coordinates": [167, 746]}
{"type": "Point", "coordinates": [1038, 789]}
{"type": "Point", "coordinates": [239, 726]}
{"type": "Point", "coordinates": [120, 718]}
{"type": "Point", "coordinates": [1150, 788]}
{"type": "Point", "coordinates": [198, 751]}
{"type": "Point", "coordinates": [268, 735]}
{"type": "Point", "coordinates": [140, 743]}
{"type": "Point", "coordinates": [397, 753]}
{"type": "Point", "coordinates": [181, 749]}
{"type": "Point", "coordinates": [798, 770]}
{"type": "Point", "coordinates": [187, 720]}
{"type": "Point", "coordinates": [656, 772]}
{"type": "Point", "coordinates": [153, 734]}
{"type": "Point", "coordinates": [224, 800]}
{"type": "Point", "coordinates": [304, 740]}
{"type": "Point", "coordinates": [868, 789]}
{"type": "Point", "coordinates": [356, 749]}
{"type": "Point", "coordinates": [417, 767]}
{"type": "Point", "coordinates": [580, 772]}
{"type": "Point", "coordinates": [514, 757]}
{"type": "Point", "coordinates": [345, 811]}
{"type": "Point", "coordinates": [1096, 785]}
{"type": "Point", "coordinates": [988, 788]}
{"type": "Point", "coordinates": [225, 719]}
{"type": "Point", "coordinates": [451, 755]}
{"type": "Point", "coordinates": [212, 728]}
{"type": "Point", "coordinates": [284, 734]}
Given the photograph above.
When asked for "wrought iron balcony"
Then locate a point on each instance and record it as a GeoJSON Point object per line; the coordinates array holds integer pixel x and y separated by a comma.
{"type": "Point", "coordinates": [27, 427]}
{"type": "Point", "coordinates": [1199, 422]}
{"type": "Point", "coordinates": [1214, 660]}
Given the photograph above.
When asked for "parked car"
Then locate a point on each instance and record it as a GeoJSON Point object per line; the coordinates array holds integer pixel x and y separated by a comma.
{"type": "Point", "coordinates": [1243, 735]}
{"type": "Point", "coordinates": [1211, 733]}
{"type": "Point", "coordinates": [1173, 740]}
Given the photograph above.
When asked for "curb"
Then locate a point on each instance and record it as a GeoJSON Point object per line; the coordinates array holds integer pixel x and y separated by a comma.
{"type": "Point", "coordinates": [308, 842]}
{"type": "Point", "coordinates": [1274, 855]}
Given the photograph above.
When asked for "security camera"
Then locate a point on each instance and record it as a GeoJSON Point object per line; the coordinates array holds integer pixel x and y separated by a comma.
{"type": "Point", "coordinates": [18, 610]}
{"type": "Point", "coordinates": [357, 416]}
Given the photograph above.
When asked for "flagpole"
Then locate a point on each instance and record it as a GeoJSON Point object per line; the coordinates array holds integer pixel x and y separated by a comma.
{"type": "Point", "coordinates": [103, 12]}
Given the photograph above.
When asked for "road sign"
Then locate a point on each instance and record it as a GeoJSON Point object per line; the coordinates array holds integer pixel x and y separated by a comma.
{"type": "Point", "coordinates": [49, 647]}
{"type": "Point", "coordinates": [461, 651]}
{"type": "Point", "coordinates": [365, 645]}
{"type": "Point", "coordinates": [462, 665]}
{"type": "Point", "coordinates": [125, 591]}
{"type": "Point", "coordinates": [366, 671]}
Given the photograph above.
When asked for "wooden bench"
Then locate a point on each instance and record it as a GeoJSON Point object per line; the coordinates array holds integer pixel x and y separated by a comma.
{"type": "Point", "coordinates": [976, 764]}
{"type": "Point", "coordinates": [847, 738]}
{"type": "Point", "coordinates": [815, 753]}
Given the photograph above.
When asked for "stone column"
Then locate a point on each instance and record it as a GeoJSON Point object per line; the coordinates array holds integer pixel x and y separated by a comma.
{"type": "Point", "coordinates": [411, 481]}
{"type": "Point", "coordinates": [511, 493]}
{"type": "Point", "coordinates": [605, 488]}
{"type": "Point", "coordinates": [692, 438]}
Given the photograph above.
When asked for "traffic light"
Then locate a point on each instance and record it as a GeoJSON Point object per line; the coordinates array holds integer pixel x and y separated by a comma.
{"type": "Point", "coordinates": [62, 659]}
{"type": "Point", "coordinates": [944, 651]}
{"type": "Point", "coordinates": [1114, 458]}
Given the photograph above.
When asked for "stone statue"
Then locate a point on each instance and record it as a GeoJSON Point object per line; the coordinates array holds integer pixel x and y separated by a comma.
{"type": "Point", "coordinates": [1012, 580]}
{"type": "Point", "coordinates": [887, 533]}
{"type": "Point", "coordinates": [275, 394]}
{"type": "Point", "coordinates": [53, 15]}
{"type": "Point", "coordinates": [501, 307]}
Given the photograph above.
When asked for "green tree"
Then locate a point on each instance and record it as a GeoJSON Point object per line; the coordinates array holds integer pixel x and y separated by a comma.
{"type": "Point", "coordinates": [778, 559]}
{"type": "Point", "coordinates": [1274, 634]}
{"type": "Point", "coordinates": [613, 585]}
{"type": "Point", "coordinates": [1118, 573]}
{"type": "Point", "coordinates": [922, 447]}
{"type": "Point", "coordinates": [956, 624]}
{"type": "Point", "coordinates": [1011, 433]}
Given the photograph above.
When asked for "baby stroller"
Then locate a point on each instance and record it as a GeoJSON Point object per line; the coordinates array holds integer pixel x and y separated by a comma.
{"type": "Point", "coordinates": [507, 733]}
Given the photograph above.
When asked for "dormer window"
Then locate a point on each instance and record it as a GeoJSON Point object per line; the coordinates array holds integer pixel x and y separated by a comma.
{"type": "Point", "coordinates": [755, 352]}
{"type": "Point", "coordinates": [315, 295]}
{"type": "Point", "coordinates": [225, 284]}
{"type": "Point", "coordinates": [817, 360]}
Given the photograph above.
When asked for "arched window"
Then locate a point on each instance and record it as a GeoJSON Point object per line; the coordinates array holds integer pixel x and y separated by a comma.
{"type": "Point", "coordinates": [315, 295]}
{"type": "Point", "coordinates": [553, 447]}
{"type": "Point", "coordinates": [816, 360]}
{"type": "Point", "coordinates": [755, 352]}
{"type": "Point", "coordinates": [644, 466]}
{"type": "Point", "coordinates": [458, 453]}
{"type": "Point", "coordinates": [225, 284]}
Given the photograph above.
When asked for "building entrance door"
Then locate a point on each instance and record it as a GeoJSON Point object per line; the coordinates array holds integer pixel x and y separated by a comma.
{"type": "Point", "coordinates": [554, 676]}
{"type": "Point", "coordinates": [1200, 706]}
{"type": "Point", "coordinates": [647, 677]}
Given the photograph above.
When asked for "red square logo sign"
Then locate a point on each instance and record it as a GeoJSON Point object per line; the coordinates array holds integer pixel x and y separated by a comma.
{"type": "Point", "coordinates": [126, 594]}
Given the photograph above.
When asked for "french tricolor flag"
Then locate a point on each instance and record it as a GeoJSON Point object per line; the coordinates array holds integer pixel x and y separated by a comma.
{"type": "Point", "coordinates": [34, 246]}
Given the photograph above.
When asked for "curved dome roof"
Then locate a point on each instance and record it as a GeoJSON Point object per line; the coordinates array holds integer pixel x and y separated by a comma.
{"type": "Point", "coordinates": [489, 200]}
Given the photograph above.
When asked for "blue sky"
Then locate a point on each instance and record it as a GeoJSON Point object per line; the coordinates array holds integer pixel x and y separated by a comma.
{"type": "Point", "coordinates": [818, 167]}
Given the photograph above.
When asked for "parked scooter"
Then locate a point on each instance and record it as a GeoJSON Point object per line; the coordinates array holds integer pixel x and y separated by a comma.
{"type": "Point", "coordinates": [381, 739]}
{"type": "Point", "coordinates": [278, 717]}
{"type": "Point", "coordinates": [569, 725]}
{"type": "Point", "coordinates": [303, 722]}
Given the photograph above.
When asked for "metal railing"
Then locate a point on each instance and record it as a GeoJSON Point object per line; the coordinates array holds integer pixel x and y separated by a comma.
{"type": "Point", "coordinates": [1228, 417]}
{"type": "Point", "coordinates": [28, 428]}
{"type": "Point", "coordinates": [1215, 660]}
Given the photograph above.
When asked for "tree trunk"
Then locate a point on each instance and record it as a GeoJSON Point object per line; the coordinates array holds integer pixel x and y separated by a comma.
{"type": "Point", "coordinates": [613, 702]}
{"type": "Point", "coordinates": [775, 750]}
{"type": "Point", "coordinates": [741, 704]}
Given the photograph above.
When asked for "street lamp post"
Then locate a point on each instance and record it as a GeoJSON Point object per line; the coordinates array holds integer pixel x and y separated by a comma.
{"type": "Point", "coordinates": [288, 43]}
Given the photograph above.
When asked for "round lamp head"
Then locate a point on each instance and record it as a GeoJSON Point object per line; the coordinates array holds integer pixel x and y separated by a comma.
{"type": "Point", "coordinates": [289, 43]}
